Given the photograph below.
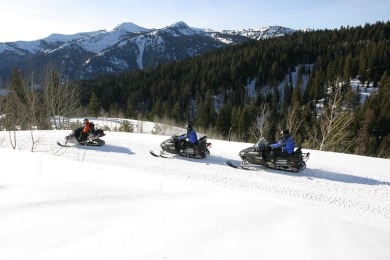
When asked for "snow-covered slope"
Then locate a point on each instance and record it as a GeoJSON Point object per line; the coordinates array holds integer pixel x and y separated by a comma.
{"type": "Point", "coordinates": [262, 32]}
{"type": "Point", "coordinates": [119, 202]}
{"type": "Point", "coordinates": [122, 31]}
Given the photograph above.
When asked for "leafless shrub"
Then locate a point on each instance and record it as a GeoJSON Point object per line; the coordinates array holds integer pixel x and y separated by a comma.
{"type": "Point", "coordinates": [333, 133]}
{"type": "Point", "coordinates": [262, 125]}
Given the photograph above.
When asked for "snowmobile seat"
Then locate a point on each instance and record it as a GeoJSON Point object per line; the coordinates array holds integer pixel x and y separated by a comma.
{"type": "Point", "coordinates": [202, 139]}
{"type": "Point", "coordinates": [99, 133]}
{"type": "Point", "coordinates": [92, 128]}
{"type": "Point", "coordinates": [295, 156]}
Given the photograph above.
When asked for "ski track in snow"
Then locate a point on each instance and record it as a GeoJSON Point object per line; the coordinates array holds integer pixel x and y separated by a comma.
{"type": "Point", "coordinates": [365, 192]}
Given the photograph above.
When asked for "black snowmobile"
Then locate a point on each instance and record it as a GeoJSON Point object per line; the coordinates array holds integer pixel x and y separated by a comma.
{"type": "Point", "coordinates": [257, 156]}
{"type": "Point", "coordinates": [173, 146]}
{"type": "Point", "coordinates": [93, 139]}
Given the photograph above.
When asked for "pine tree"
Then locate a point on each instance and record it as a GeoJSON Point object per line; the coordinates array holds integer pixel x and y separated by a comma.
{"type": "Point", "coordinates": [224, 119]}
{"type": "Point", "coordinates": [235, 123]}
{"type": "Point", "coordinates": [244, 124]}
{"type": "Point", "coordinates": [94, 105]}
{"type": "Point", "coordinates": [16, 101]}
{"type": "Point", "coordinates": [347, 71]}
{"type": "Point", "coordinates": [177, 113]}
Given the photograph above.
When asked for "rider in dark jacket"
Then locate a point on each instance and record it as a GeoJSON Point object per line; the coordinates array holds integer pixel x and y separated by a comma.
{"type": "Point", "coordinates": [189, 139]}
{"type": "Point", "coordinates": [283, 147]}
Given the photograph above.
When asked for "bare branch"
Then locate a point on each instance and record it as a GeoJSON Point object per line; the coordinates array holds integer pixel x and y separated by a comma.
{"type": "Point", "coordinates": [61, 99]}
{"type": "Point", "coordinates": [262, 124]}
{"type": "Point", "coordinates": [334, 134]}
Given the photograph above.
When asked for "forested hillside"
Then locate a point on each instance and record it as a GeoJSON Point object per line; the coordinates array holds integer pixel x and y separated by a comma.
{"type": "Point", "coordinates": [323, 61]}
{"type": "Point", "coordinates": [301, 82]}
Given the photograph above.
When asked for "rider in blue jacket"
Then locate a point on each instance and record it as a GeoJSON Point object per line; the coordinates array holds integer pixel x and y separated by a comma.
{"type": "Point", "coordinates": [284, 146]}
{"type": "Point", "coordinates": [188, 139]}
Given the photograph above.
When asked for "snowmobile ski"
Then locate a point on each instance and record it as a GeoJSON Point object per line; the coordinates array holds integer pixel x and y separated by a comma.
{"type": "Point", "coordinates": [232, 165]}
{"type": "Point", "coordinates": [159, 155]}
{"type": "Point", "coordinates": [63, 145]}
{"type": "Point", "coordinates": [152, 153]}
{"type": "Point", "coordinates": [236, 166]}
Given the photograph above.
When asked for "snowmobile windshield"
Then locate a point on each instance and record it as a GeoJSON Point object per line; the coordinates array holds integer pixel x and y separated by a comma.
{"type": "Point", "coordinates": [261, 143]}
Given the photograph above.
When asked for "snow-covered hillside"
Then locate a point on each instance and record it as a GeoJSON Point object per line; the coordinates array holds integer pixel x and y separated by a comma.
{"type": "Point", "coordinates": [119, 202]}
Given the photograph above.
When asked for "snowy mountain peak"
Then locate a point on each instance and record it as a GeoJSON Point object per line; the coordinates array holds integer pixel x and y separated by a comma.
{"type": "Point", "coordinates": [181, 25]}
{"type": "Point", "coordinates": [131, 27]}
{"type": "Point", "coordinates": [181, 28]}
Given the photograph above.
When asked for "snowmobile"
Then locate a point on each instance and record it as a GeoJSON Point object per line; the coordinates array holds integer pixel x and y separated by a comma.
{"type": "Point", "coordinates": [257, 156]}
{"type": "Point", "coordinates": [93, 139]}
{"type": "Point", "coordinates": [173, 146]}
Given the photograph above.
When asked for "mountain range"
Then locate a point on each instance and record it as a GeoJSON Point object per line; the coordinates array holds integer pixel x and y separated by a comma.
{"type": "Point", "coordinates": [125, 48]}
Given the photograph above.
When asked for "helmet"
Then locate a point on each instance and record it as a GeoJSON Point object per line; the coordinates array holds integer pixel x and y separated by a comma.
{"type": "Point", "coordinates": [86, 120]}
{"type": "Point", "coordinates": [285, 133]}
{"type": "Point", "coordinates": [189, 127]}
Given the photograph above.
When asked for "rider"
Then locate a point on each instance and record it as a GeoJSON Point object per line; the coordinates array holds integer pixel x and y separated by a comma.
{"type": "Point", "coordinates": [83, 132]}
{"type": "Point", "coordinates": [189, 139]}
{"type": "Point", "coordinates": [283, 147]}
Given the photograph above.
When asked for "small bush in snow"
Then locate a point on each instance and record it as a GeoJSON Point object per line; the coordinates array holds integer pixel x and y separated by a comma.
{"type": "Point", "coordinates": [126, 127]}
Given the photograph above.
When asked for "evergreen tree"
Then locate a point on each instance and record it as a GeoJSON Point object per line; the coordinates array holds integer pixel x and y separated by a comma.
{"type": "Point", "coordinates": [297, 97]}
{"type": "Point", "coordinates": [235, 124]}
{"type": "Point", "coordinates": [347, 71]}
{"type": "Point", "coordinates": [244, 124]}
{"type": "Point", "coordinates": [16, 101]}
{"type": "Point", "coordinates": [177, 113]}
{"type": "Point", "coordinates": [94, 106]}
{"type": "Point", "coordinates": [224, 119]}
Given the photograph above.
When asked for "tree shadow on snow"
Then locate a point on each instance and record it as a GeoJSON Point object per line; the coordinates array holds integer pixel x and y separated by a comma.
{"type": "Point", "coordinates": [341, 177]}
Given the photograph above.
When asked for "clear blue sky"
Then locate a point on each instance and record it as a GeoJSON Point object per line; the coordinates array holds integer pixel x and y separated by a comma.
{"type": "Point", "coordinates": [36, 19]}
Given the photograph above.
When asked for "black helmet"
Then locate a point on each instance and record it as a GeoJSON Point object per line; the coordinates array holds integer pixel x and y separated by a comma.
{"type": "Point", "coordinates": [86, 120]}
{"type": "Point", "coordinates": [189, 127]}
{"type": "Point", "coordinates": [285, 133]}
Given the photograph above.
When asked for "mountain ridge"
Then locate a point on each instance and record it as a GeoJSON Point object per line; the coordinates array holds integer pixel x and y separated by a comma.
{"type": "Point", "coordinates": [126, 47]}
